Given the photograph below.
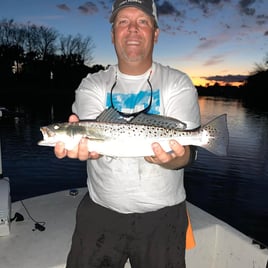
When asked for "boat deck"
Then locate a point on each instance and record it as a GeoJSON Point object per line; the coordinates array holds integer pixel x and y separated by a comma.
{"type": "Point", "coordinates": [218, 244]}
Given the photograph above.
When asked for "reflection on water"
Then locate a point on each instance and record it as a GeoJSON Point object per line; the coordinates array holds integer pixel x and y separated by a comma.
{"type": "Point", "coordinates": [32, 169]}
{"type": "Point", "coordinates": [233, 188]}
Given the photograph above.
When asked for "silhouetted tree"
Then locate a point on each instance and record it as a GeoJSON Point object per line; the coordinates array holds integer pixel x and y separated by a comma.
{"type": "Point", "coordinates": [44, 58]}
{"type": "Point", "coordinates": [77, 50]}
{"type": "Point", "coordinates": [255, 87]}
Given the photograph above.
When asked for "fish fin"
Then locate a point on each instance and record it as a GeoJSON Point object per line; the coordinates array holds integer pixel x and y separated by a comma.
{"type": "Point", "coordinates": [158, 121]}
{"type": "Point", "coordinates": [219, 129]}
{"type": "Point", "coordinates": [110, 115]}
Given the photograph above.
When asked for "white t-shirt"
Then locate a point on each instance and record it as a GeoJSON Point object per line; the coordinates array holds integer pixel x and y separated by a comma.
{"type": "Point", "coordinates": [130, 185]}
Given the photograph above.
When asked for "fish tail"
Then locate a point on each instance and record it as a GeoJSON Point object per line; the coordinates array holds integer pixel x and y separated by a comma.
{"type": "Point", "coordinates": [218, 135]}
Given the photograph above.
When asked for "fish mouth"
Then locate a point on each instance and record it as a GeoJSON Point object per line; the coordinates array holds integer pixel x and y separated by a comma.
{"type": "Point", "coordinates": [47, 133]}
{"type": "Point", "coordinates": [48, 137]}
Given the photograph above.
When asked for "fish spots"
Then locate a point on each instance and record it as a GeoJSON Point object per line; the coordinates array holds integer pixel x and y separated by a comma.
{"type": "Point", "coordinates": [110, 138]}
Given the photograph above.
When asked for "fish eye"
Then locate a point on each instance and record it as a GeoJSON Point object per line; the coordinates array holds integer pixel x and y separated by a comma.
{"type": "Point", "coordinates": [56, 127]}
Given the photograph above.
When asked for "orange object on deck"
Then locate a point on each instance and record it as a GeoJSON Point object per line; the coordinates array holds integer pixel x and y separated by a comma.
{"type": "Point", "coordinates": [190, 241]}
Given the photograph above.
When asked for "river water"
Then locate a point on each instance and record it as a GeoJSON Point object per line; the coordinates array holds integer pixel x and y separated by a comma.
{"type": "Point", "coordinates": [233, 188]}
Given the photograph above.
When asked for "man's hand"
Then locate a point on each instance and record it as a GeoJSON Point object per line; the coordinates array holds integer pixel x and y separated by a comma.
{"type": "Point", "coordinates": [177, 158]}
{"type": "Point", "coordinates": [80, 151]}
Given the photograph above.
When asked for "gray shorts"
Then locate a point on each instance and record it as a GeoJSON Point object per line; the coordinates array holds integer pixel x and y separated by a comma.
{"type": "Point", "coordinates": [106, 239]}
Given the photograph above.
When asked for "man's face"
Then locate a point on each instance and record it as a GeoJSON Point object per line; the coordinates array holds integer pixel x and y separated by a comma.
{"type": "Point", "coordinates": [134, 35]}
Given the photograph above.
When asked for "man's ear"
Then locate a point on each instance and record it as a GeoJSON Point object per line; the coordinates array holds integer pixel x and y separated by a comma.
{"type": "Point", "coordinates": [112, 36]}
{"type": "Point", "coordinates": [156, 35]}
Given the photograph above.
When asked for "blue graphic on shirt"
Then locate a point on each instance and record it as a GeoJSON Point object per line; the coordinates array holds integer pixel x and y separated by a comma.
{"type": "Point", "coordinates": [129, 103]}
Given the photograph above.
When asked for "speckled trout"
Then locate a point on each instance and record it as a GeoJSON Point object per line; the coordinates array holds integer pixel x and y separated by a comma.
{"type": "Point", "coordinates": [134, 138]}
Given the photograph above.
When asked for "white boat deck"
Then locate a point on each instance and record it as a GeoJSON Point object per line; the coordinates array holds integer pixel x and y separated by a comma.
{"type": "Point", "coordinates": [218, 244]}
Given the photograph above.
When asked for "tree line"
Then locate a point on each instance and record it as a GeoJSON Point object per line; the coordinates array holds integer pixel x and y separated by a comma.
{"type": "Point", "coordinates": [39, 60]}
{"type": "Point", "coordinates": [32, 56]}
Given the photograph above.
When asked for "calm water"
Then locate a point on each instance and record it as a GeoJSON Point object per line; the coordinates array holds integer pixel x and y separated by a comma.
{"type": "Point", "coordinates": [233, 188]}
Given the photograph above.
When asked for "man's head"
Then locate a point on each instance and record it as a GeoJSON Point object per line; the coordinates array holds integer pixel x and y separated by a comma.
{"type": "Point", "coordinates": [147, 6]}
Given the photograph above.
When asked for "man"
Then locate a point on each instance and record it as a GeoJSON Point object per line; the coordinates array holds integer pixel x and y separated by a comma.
{"type": "Point", "coordinates": [135, 208]}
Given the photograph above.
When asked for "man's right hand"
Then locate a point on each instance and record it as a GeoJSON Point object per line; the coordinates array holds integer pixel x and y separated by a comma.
{"type": "Point", "coordinates": [80, 151]}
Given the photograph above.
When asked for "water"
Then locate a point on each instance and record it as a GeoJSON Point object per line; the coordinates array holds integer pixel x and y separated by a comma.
{"type": "Point", "coordinates": [233, 188]}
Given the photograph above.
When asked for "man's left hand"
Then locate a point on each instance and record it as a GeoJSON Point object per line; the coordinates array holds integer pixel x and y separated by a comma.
{"type": "Point", "coordinates": [176, 158]}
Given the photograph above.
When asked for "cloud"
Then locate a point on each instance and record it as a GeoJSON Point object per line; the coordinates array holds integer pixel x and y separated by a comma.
{"type": "Point", "coordinates": [226, 78]}
{"type": "Point", "coordinates": [88, 8]}
{"type": "Point", "coordinates": [205, 5]}
{"type": "Point", "coordinates": [63, 7]}
{"type": "Point", "coordinates": [244, 7]}
{"type": "Point", "coordinates": [105, 6]}
{"type": "Point", "coordinates": [208, 43]}
{"type": "Point", "coordinates": [206, 46]}
{"type": "Point", "coordinates": [262, 19]}
{"type": "Point", "coordinates": [168, 15]}
{"type": "Point", "coordinates": [214, 60]}
{"type": "Point", "coordinates": [212, 42]}
{"type": "Point", "coordinates": [166, 9]}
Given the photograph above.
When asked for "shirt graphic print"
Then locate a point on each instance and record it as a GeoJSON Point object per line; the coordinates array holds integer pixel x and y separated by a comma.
{"type": "Point", "coordinates": [130, 103]}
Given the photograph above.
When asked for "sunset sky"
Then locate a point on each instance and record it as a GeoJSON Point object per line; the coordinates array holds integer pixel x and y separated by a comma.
{"type": "Point", "coordinates": [211, 40]}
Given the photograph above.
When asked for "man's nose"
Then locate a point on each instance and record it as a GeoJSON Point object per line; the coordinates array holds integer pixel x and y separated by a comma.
{"type": "Point", "coordinates": [133, 26]}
